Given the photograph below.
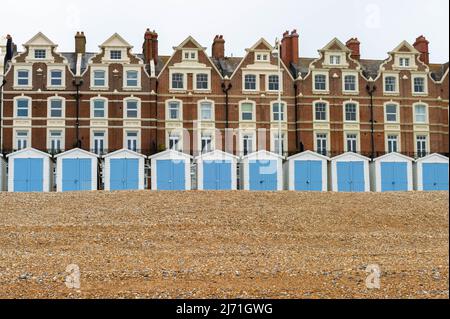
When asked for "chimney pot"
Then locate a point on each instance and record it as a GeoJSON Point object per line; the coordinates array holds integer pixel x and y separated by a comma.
{"type": "Point", "coordinates": [355, 46]}
{"type": "Point", "coordinates": [290, 48]}
{"type": "Point", "coordinates": [150, 46]}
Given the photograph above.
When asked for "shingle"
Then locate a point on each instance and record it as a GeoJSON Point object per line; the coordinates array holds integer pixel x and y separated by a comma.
{"type": "Point", "coordinates": [371, 68]}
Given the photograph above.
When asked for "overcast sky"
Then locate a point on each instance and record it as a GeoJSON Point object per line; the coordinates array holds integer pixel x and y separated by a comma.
{"type": "Point", "coordinates": [380, 25]}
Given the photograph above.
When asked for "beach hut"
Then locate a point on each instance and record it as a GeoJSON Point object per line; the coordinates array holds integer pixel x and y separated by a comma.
{"type": "Point", "coordinates": [350, 173]}
{"type": "Point", "coordinates": [307, 171]}
{"type": "Point", "coordinates": [76, 170]}
{"type": "Point", "coordinates": [216, 170]}
{"type": "Point", "coordinates": [431, 173]}
{"type": "Point", "coordinates": [29, 171]}
{"type": "Point", "coordinates": [2, 174]}
{"type": "Point", "coordinates": [171, 170]}
{"type": "Point", "coordinates": [392, 172]}
{"type": "Point", "coordinates": [124, 170]}
{"type": "Point", "coordinates": [262, 171]}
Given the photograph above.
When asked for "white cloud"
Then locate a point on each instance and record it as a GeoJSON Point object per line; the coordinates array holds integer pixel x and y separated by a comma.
{"type": "Point", "coordinates": [379, 24]}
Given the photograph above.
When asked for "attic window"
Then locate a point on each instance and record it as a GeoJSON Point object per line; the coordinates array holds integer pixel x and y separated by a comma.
{"type": "Point", "coordinates": [190, 55]}
{"type": "Point", "coordinates": [262, 57]}
{"type": "Point", "coordinates": [335, 60]}
{"type": "Point", "coordinates": [116, 55]}
{"type": "Point", "coordinates": [404, 62]}
{"type": "Point", "coordinates": [40, 54]}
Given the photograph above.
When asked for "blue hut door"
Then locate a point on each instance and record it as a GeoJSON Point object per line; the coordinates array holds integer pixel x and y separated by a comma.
{"type": "Point", "coordinates": [217, 175]}
{"type": "Point", "coordinates": [28, 175]}
{"type": "Point", "coordinates": [76, 174]}
{"type": "Point", "coordinates": [124, 174]}
{"type": "Point", "coordinates": [308, 176]}
{"type": "Point", "coordinates": [435, 177]}
{"type": "Point", "coordinates": [351, 176]}
{"type": "Point", "coordinates": [171, 175]}
{"type": "Point", "coordinates": [263, 175]}
{"type": "Point", "coordinates": [394, 177]}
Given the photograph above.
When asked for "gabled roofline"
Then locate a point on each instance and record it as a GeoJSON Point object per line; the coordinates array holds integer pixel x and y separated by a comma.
{"type": "Point", "coordinates": [217, 152]}
{"type": "Point", "coordinates": [262, 40]}
{"type": "Point", "coordinates": [124, 150]}
{"type": "Point", "coordinates": [350, 154]}
{"type": "Point", "coordinates": [431, 156]}
{"type": "Point", "coordinates": [116, 35]}
{"type": "Point", "coordinates": [394, 154]}
{"type": "Point", "coordinates": [173, 152]}
{"type": "Point", "coordinates": [255, 154]}
{"type": "Point", "coordinates": [40, 34]}
{"type": "Point", "coordinates": [180, 47]}
{"type": "Point", "coordinates": [76, 150]}
{"type": "Point", "coordinates": [339, 42]}
{"type": "Point", "coordinates": [29, 149]}
{"type": "Point", "coordinates": [308, 153]}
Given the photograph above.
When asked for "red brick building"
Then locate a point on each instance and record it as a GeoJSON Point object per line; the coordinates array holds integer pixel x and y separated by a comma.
{"type": "Point", "coordinates": [196, 102]}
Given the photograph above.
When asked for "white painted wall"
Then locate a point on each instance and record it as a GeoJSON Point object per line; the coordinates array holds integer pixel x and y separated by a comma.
{"type": "Point", "coordinates": [3, 180]}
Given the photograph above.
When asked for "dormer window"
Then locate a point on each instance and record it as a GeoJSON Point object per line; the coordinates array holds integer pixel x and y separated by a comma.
{"type": "Point", "coordinates": [40, 54]}
{"type": "Point", "coordinates": [190, 55]}
{"type": "Point", "coordinates": [335, 59]}
{"type": "Point", "coordinates": [404, 62]}
{"type": "Point", "coordinates": [116, 55]}
{"type": "Point", "coordinates": [262, 57]}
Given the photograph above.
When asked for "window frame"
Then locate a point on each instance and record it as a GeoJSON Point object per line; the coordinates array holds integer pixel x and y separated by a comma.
{"type": "Point", "coordinates": [425, 85]}
{"type": "Point", "coordinates": [29, 107]}
{"type": "Point", "coordinates": [397, 105]}
{"type": "Point", "coordinates": [138, 85]}
{"type": "Point", "coordinates": [284, 112]}
{"type": "Point", "coordinates": [49, 107]}
{"type": "Point", "coordinates": [114, 51]}
{"type": "Point", "coordinates": [244, 82]}
{"type": "Point", "coordinates": [184, 81]}
{"type": "Point", "coordinates": [208, 81]}
{"type": "Point", "coordinates": [138, 139]}
{"type": "Point", "coordinates": [327, 111]}
{"type": "Point", "coordinates": [397, 135]}
{"type": "Point", "coordinates": [426, 122]}
{"type": "Point", "coordinates": [242, 135]}
{"type": "Point", "coordinates": [106, 79]}
{"type": "Point", "coordinates": [180, 110]}
{"type": "Point", "coordinates": [62, 139]}
{"type": "Point", "coordinates": [396, 83]}
{"type": "Point", "coordinates": [275, 139]}
{"type": "Point", "coordinates": [138, 108]}
{"type": "Point", "coordinates": [29, 70]}
{"type": "Point", "coordinates": [105, 101]}
{"type": "Point", "coordinates": [356, 139]}
{"type": "Point", "coordinates": [357, 114]}
{"type": "Point", "coordinates": [314, 82]}
{"type": "Point", "coordinates": [427, 144]}
{"type": "Point", "coordinates": [199, 111]}
{"type": "Point", "coordinates": [241, 103]}
{"type": "Point", "coordinates": [35, 53]}
{"type": "Point", "coordinates": [327, 141]}
{"type": "Point", "coordinates": [16, 139]}
{"type": "Point", "coordinates": [356, 77]}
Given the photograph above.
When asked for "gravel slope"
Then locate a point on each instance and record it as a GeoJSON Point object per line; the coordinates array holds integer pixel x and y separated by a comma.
{"type": "Point", "coordinates": [226, 244]}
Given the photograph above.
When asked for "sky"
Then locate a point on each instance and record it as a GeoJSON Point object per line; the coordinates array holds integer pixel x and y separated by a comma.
{"type": "Point", "coordinates": [380, 25]}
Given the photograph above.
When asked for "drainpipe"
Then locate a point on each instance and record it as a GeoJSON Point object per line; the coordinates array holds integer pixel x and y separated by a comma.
{"type": "Point", "coordinates": [371, 88]}
{"type": "Point", "coordinates": [78, 82]}
{"type": "Point", "coordinates": [297, 133]}
{"type": "Point", "coordinates": [226, 89]}
{"type": "Point", "coordinates": [1, 114]}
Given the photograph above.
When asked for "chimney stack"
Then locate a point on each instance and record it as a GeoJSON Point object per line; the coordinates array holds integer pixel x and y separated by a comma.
{"type": "Point", "coordinates": [150, 47]}
{"type": "Point", "coordinates": [218, 47]}
{"type": "Point", "coordinates": [9, 48]}
{"type": "Point", "coordinates": [421, 45]}
{"type": "Point", "coordinates": [355, 46]}
{"type": "Point", "coordinates": [290, 48]}
{"type": "Point", "coordinates": [80, 43]}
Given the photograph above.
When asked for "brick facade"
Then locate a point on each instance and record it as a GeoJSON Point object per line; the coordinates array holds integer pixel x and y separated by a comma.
{"type": "Point", "coordinates": [226, 94]}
